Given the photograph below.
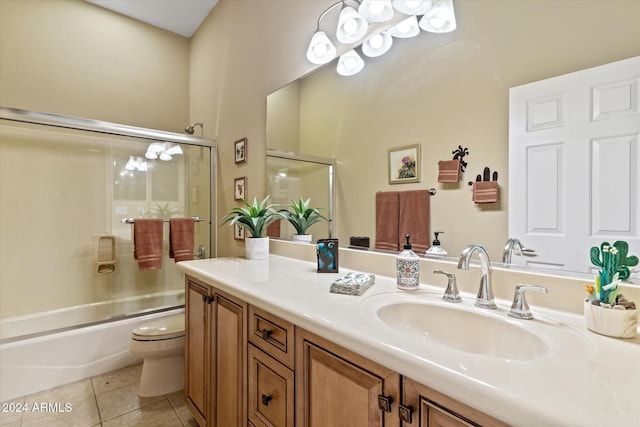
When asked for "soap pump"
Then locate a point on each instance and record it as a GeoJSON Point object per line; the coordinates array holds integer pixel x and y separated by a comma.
{"type": "Point", "coordinates": [408, 268]}
{"type": "Point", "coordinates": [436, 249]}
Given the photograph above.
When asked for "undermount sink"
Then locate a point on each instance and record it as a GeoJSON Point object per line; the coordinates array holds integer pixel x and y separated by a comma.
{"type": "Point", "coordinates": [463, 329]}
{"type": "Point", "coordinates": [428, 320]}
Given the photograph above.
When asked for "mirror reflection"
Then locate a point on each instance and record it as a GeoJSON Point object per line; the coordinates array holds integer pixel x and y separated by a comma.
{"type": "Point", "coordinates": [442, 91]}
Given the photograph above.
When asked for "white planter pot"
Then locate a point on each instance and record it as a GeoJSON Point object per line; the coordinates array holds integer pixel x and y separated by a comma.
{"type": "Point", "coordinates": [256, 247]}
{"type": "Point", "coordinates": [610, 322]}
{"type": "Point", "coordinates": [301, 238]}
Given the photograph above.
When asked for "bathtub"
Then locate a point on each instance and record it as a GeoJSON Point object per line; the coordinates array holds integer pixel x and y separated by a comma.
{"type": "Point", "coordinates": [32, 361]}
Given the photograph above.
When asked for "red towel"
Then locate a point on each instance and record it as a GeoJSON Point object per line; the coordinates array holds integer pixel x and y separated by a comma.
{"type": "Point", "coordinates": [414, 218]}
{"type": "Point", "coordinates": [147, 243]}
{"type": "Point", "coordinates": [181, 238]}
{"type": "Point", "coordinates": [485, 192]}
{"type": "Point", "coordinates": [448, 170]}
{"type": "Point", "coordinates": [387, 211]}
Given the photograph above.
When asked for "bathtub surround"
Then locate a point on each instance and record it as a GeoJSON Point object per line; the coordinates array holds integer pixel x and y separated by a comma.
{"type": "Point", "coordinates": [38, 363]}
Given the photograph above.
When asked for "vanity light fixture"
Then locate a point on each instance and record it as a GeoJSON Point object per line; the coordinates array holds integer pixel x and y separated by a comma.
{"type": "Point", "coordinates": [351, 25]}
{"type": "Point", "coordinates": [437, 16]}
{"type": "Point", "coordinates": [441, 18]}
{"type": "Point", "coordinates": [376, 10]}
{"type": "Point", "coordinates": [412, 7]}
{"type": "Point", "coordinates": [161, 150]}
{"type": "Point", "coordinates": [377, 45]}
{"type": "Point", "coordinates": [349, 63]}
{"type": "Point", "coordinates": [405, 29]}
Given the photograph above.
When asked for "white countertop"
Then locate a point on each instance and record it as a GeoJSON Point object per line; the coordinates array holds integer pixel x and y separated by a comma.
{"type": "Point", "coordinates": [598, 384]}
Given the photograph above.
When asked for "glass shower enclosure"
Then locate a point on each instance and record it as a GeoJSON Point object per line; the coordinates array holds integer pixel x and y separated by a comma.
{"type": "Point", "coordinates": [70, 191]}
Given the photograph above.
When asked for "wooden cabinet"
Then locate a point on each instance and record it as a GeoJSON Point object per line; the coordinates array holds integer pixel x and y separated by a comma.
{"type": "Point", "coordinates": [196, 350]}
{"type": "Point", "coordinates": [271, 375]}
{"type": "Point", "coordinates": [336, 387]}
{"type": "Point", "coordinates": [271, 391]}
{"type": "Point", "coordinates": [425, 407]}
{"type": "Point", "coordinates": [247, 367]}
{"type": "Point", "coordinates": [215, 356]}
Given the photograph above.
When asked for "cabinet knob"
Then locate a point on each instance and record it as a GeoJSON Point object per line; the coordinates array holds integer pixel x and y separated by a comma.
{"type": "Point", "coordinates": [266, 334]}
{"type": "Point", "coordinates": [266, 399]}
{"type": "Point", "coordinates": [384, 402]}
{"type": "Point", "coordinates": [405, 413]}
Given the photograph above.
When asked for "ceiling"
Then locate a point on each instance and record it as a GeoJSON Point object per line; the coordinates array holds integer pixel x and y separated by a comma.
{"type": "Point", "coordinates": [178, 16]}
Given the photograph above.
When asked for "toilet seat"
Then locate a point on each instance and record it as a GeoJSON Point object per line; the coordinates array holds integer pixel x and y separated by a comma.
{"type": "Point", "coordinates": [166, 328]}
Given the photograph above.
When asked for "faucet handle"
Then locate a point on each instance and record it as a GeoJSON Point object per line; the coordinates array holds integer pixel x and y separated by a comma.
{"type": "Point", "coordinates": [520, 308]}
{"type": "Point", "coordinates": [451, 294]}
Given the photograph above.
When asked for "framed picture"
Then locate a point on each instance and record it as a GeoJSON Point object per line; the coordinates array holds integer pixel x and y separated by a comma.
{"type": "Point", "coordinates": [238, 231]}
{"type": "Point", "coordinates": [240, 188]}
{"type": "Point", "coordinates": [404, 164]}
{"type": "Point", "coordinates": [240, 149]}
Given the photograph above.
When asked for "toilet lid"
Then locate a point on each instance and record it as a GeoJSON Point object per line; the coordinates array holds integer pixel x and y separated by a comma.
{"type": "Point", "coordinates": [161, 328]}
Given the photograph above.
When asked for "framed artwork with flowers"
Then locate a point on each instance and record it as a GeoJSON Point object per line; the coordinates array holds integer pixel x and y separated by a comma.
{"type": "Point", "coordinates": [404, 164]}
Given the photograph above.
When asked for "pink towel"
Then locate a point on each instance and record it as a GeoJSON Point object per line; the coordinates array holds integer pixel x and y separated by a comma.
{"type": "Point", "coordinates": [181, 238]}
{"type": "Point", "coordinates": [414, 218]}
{"type": "Point", "coordinates": [147, 243]}
{"type": "Point", "coordinates": [485, 192]}
{"type": "Point", "coordinates": [448, 170]}
{"type": "Point", "coordinates": [387, 211]}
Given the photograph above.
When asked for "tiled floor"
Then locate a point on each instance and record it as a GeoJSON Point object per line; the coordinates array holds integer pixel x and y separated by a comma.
{"type": "Point", "coordinates": [106, 400]}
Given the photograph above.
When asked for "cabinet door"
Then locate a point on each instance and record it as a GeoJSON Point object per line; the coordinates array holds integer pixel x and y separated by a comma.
{"type": "Point", "coordinates": [429, 408]}
{"type": "Point", "coordinates": [271, 391]}
{"type": "Point", "coordinates": [229, 362]}
{"type": "Point", "coordinates": [196, 350]}
{"type": "Point", "coordinates": [340, 388]}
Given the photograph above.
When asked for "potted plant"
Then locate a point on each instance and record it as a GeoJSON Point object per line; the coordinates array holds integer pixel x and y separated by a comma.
{"type": "Point", "coordinates": [301, 216]}
{"type": "Point", "coordinates": [255, 218]}
{"type": "Point", "coordinates": [607, 311]}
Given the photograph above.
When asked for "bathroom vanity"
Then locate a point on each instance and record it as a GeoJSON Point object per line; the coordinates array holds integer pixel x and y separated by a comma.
{"type": "Point", "coordinates": [269, 345]}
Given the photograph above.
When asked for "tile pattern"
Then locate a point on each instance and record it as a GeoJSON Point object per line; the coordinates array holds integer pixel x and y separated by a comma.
{"type": "Point", "coordinates": [107, 400]}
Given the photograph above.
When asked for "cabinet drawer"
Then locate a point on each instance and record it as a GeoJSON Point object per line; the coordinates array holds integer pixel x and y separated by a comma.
{"type": "Point", "coordinates": [273, 335]}
{"type": "Point", "coordinates": [271, 397]}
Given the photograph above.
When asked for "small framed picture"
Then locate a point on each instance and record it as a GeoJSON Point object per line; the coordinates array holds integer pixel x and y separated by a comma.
{"type": "Point", "coordinates": [238, 231]}
{"type": "Point", "coordinates": [240, 148]}
{"type": "Point", "coordinates": [404, 164]}
{"type": "Point", "coordinates": [240, 188]}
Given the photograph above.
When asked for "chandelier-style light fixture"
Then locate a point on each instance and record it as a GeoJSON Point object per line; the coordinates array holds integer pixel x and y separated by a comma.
{"type": "Point", "coordinates": [355, 17]}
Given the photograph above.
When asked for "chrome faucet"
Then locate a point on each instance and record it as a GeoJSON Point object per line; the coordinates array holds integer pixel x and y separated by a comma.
{"type": "Point", "coordinates": [514, 246]}
{"type": "Point", "coordinates": [484, 298]}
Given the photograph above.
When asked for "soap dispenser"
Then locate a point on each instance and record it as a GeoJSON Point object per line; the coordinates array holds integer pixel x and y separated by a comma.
{"type": "Point", "coordinates": [436, 249]}
{"type": "Point", "coordinates": [408, 268]}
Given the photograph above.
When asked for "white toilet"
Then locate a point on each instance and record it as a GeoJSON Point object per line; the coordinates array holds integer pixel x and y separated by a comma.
{"type": "Point", "coordinates": [160, 342]}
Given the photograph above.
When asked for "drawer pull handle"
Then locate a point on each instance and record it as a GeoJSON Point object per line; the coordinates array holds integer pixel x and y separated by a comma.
{"type": "Point", "coordinates": [384, 402]}
{"type": "Point", "coordinates": [266, 334]}
{"type": "Point", "coordinates": [266, 399]}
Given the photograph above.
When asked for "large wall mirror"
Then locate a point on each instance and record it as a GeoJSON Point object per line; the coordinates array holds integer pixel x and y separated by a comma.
{"type": "Point", "coordinates": [442, 91]}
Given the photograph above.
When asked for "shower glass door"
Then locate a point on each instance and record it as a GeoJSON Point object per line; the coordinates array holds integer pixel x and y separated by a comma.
{"type": "Point", "coordinates": [64, 194]}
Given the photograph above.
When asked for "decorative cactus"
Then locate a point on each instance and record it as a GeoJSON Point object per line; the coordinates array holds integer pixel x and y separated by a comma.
{"type": "Point", "coordinates": [624, 261]}
{"type": "Point", "coordinates": [614, 266]}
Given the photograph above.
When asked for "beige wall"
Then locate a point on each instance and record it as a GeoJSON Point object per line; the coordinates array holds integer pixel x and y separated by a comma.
{"type": "Point", "coordinates": [72, 58]}
{"type": "Point", "coordinates": [442, 91]}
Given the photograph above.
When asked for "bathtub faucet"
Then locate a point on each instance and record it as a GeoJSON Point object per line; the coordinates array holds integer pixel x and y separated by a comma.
{"type": "Point", "coordinates": [201, 254]}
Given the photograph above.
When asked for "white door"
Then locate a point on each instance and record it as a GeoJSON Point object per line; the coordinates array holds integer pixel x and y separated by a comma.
{"type": "Point", "coordinates": [573, 164]}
